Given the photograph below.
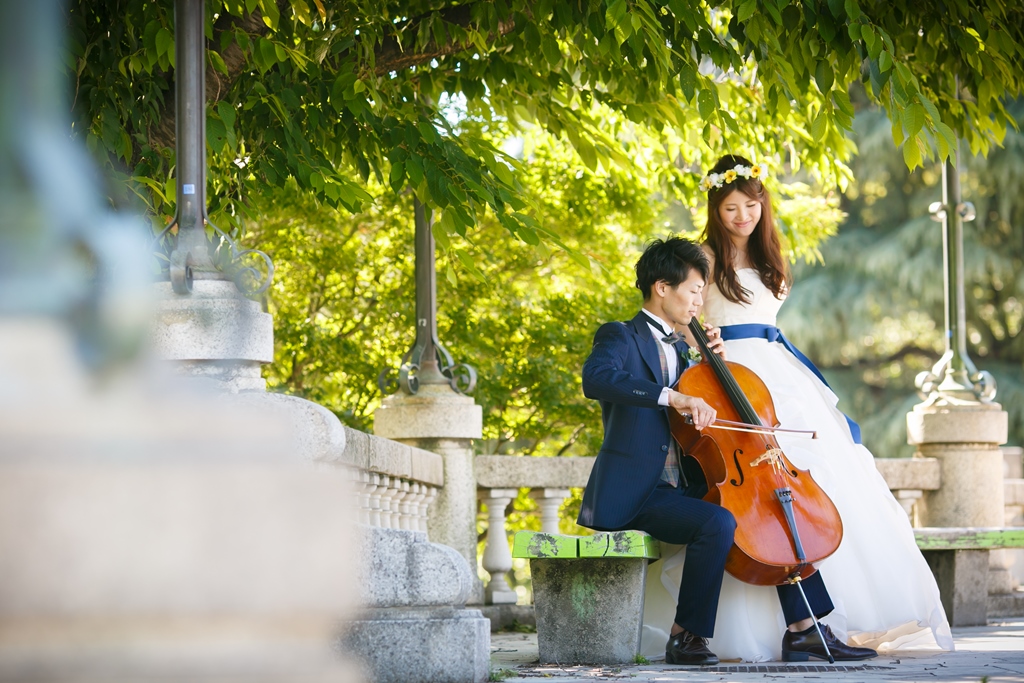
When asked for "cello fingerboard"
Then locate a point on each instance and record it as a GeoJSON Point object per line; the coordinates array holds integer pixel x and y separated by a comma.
{"type": "Point", "coordinates": [724, 374]}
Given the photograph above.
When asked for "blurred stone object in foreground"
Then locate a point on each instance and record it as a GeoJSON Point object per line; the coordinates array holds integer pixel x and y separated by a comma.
{"type": "Point", "coordinates": [150, 529]}
{"type": "Point", "coordinates": [168, 535]}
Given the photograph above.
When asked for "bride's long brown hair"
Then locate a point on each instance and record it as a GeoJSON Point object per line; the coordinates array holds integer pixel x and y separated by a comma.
{"type": "Point", "coordinates": [764, 250]}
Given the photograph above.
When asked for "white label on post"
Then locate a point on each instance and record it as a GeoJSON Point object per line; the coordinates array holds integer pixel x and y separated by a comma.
{"type": "Point", "coordinates": [188, 188]}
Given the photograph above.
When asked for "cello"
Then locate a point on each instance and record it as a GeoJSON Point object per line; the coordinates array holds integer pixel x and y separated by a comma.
{"type": "Point", "coordinates": [785, 523]}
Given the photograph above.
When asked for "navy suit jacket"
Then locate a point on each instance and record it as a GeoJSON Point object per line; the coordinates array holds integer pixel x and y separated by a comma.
{"type": "Point", "coordinates": [623, 372]}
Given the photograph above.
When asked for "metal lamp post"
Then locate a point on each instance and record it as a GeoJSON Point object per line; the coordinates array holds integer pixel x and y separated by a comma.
{"type": "Point", "coordinates": [954, 376]}
{"type": "Point", "coordinates": [428, 361]}
{"type": "Point", "coordinates": [958, 425]}
{"type": "Point", "coordinates": [191, 253]}
{"type": "Point", "coordinates": [191, 257]}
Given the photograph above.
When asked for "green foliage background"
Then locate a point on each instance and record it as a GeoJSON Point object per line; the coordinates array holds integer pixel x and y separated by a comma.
{"type": "Point", "coordinates": [871, 315]}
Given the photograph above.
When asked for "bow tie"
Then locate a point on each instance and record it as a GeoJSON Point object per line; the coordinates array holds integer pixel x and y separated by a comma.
{"type": "Point", "coordinates": [669, 337]}
{"type": "Point", "coordinates": [673, 338]}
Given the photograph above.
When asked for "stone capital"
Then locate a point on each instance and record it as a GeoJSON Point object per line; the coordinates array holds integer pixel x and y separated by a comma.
{"type": "Point", "coordinates": [979, 423]}
{"type": "Point", "coordinates": [435, 412]}
{"type": "Point", "coordinates": [214, 323]}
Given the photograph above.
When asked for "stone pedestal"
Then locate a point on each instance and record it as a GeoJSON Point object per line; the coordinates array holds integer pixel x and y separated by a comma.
{"type": "Point", "coordinates": [213, 333]}
{"type": "Point", "coordinates": [415, 626]}
{"type": "Point", "coordinates": [438, 419]}
{"type": "Point", "coordinates": [965, 439]}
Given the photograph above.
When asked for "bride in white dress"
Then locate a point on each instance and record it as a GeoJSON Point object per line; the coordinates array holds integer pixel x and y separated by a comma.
{"type": "Point", "coordinates": [884, 594]}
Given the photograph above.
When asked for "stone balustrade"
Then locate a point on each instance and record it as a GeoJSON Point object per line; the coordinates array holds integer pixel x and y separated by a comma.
{"type": "Point", "coordinates": [550, 480]}
{"type": "Point", "coordinates": [499, 478]}
{"type": "Point", "coordinates": [396, 484]}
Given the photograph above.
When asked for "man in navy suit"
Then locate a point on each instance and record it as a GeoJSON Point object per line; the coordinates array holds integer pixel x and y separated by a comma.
{"type": "Point", "coordinates": [640, 479]}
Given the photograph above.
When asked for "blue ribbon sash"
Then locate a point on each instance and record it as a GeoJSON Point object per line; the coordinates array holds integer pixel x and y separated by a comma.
{"type": "Point", "coordinates": [774, 334]}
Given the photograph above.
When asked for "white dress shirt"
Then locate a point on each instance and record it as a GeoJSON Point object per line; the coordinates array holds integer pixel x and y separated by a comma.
{"type": "Point", "coordinates": [671, 355]}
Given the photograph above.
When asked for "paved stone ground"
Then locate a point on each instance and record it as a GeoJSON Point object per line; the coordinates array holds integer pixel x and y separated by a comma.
{"type": "Point", "coordinates": [993, 653]}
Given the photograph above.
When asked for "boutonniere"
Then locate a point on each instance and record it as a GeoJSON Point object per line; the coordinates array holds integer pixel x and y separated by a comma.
{"type": "Point", "coordinates": [692, 353]}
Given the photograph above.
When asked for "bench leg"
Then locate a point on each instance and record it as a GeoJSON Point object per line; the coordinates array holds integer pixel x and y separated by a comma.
{"type": "Point", "coordinates": [962, 576]}
{"type": "Point", "coordinates": [589, 610]}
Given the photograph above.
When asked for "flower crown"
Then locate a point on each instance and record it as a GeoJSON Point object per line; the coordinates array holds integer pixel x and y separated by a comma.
{"type": "Point", "coordinates": [716, 180]}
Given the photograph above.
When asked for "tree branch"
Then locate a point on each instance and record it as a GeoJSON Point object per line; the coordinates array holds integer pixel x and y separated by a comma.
{"type": "Point", "coordinates": [572, 438]}
{"type": "Point", "coordinates": [389, 57]}
{"type": "Point", "coordinates": [217, 84]}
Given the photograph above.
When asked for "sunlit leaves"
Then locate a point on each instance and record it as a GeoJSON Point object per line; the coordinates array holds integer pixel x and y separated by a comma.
{"type": "Point", "coordinates": [335, 94]}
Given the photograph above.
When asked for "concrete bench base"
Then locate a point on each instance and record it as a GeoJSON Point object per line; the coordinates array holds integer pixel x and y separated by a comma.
{"type": "Point", "coordinates": [962, 576]}
{"type": "Point", "coordinates": [588, 594]}
{"type": "Point", "coordinates": [958, 557]}
{"type": "Point", "coordinates": [589, 610]}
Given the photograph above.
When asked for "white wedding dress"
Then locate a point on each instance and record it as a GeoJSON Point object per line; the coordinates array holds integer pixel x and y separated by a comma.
{"type": "Point", "coordinates": [884, 594]}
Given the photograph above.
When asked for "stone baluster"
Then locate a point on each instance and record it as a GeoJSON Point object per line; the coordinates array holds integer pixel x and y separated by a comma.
{"type": "Point", "coordinates": [389, 508]}
{"type": "Point", "coordinates": [425, 509]}
{"type": "Point", "coordinates": [384, 501]}
{"type": "Point", "coordinates": [417, 513]}
{"type": "Point", "coordinates": [550, 502]}
{"type": "Point", "coordinates": [376, 486]}
{"type": "Point", "coordinates": [497, 560]}
{"type": "Point", "coordinates": [402, 491]}
{"type": "Point", "coordinates": [908, 498]}
{"type": "Point", "coordinates": [365, 488]}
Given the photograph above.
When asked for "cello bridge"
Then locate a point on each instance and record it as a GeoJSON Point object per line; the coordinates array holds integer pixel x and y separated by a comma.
{"type": "Point", "coordinates": [772, 456]}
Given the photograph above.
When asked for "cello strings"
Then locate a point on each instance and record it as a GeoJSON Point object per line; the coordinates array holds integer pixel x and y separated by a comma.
{"type": "Point", "coordinates": [732, 389]}
{"type": "Point", "coordinates": [725, 377]}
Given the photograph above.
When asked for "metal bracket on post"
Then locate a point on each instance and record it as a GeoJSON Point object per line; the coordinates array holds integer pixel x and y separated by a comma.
{"type": "Point", "coordinates": [181, 271]}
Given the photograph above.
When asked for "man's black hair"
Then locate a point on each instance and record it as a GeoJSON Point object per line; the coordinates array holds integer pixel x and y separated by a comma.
{"type": "Point", "coordinates": [669, 260]}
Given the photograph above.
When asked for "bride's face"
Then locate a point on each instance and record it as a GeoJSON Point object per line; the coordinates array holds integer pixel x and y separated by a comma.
{"type": "Point", "coordinates": [740, 215]}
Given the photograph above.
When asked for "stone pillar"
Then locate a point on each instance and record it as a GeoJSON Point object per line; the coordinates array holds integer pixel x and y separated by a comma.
{"type": "Point", "coordinates": [965, 440]}
{"type": "Point", "coordinates": [438, 419]}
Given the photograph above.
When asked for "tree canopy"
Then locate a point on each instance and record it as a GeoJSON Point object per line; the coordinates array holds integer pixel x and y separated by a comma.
{"type": "Point", "coordinates": [336, 94]}
{"type": "Point", "coordinates": [316, 106]}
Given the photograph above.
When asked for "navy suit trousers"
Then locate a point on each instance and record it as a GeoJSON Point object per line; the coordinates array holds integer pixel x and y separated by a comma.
{"type": "Point", "coordinates": [679, 516]}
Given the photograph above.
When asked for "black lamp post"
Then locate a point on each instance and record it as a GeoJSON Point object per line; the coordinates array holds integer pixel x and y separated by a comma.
{"type": "Point", "coordinates": [954, 375]}
{"type": "Point", "coordinates": [191, 259]}
{"type": "Point", "coordinates": [428, 361]}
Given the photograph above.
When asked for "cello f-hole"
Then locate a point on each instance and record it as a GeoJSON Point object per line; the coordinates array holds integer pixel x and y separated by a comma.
{"type": "Point", "coordinates": [736, 459]}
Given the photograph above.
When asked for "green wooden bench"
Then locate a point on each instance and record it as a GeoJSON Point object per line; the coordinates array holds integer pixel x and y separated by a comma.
{"type": "Point", "coordinates": [588, 593]}
{"type": "Point", "coordinates": [958, 557]}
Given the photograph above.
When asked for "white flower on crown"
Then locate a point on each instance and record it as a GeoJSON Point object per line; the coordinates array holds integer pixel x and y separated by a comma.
{"type": "Point", "coordinates": [717, 180]}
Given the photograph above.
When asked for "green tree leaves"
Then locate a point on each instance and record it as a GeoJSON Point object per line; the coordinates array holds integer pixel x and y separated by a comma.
{"type": "Point", "coordinates": [332, 94]}
{"type": "Point", "coordinates": [871, 315]}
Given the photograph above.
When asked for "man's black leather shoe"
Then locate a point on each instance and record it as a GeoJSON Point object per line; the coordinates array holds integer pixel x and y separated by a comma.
{"type": "Point", "coordinates": [799, 647]}
{"type": "Point", "coordinates": [688, 649]}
